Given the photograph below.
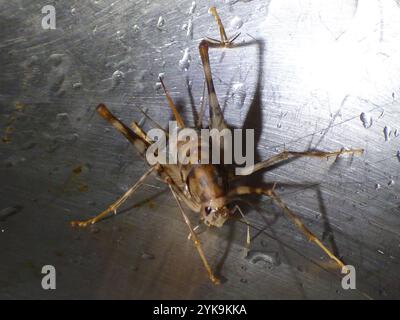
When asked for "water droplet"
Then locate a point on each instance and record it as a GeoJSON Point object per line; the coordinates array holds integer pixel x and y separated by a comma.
{"type": "Point", "coordinates": [161, 75]}
{"type": "Point", "coordinates": [239, 94]}
{"type": "Point", "coordinates": [135, 28]}
{"type": "Point", "coordinates": [120, 35]}
{"type": "Point", "coordinates": [377, 186]}
{"type": "Point", "coordinates": [72, 137]}
{"type": "Point", "coordinates": [73, 11]}
{"type": "Point", "coordinates": [147, 256]}
{"type": "Point", "coordinates": [366, 119]}
{"type": "Point", "coordinates": [160, 22]}
{"type": "Point", "coordinates": [236, 23]}
{"type": "Point", "coordinates": [158, 87]}
{"type": "Point", "coordinates": [380, 251]}
{"type": "Point", "coordinates": [391, 183]}
{"type": "Point", "coordinates": [387, 131]}
{"type": "Point", "coordinates": [192, 7]}
{"type": "Point", "coordinates": [189, 32]}
{"type": "Point", "coordinates": [62, 116]}
{"type": "Point", "coordinates": [396, 133]}
{"type": "Point", "coordinates": [94, 31]}
{"type": "Point", "coordinates": [184, 63]}
{"type": "Point", "coordinates": [76, 85]}
{"type": "Point", "coordinates": [117, 77]}
{"type": "Point", "coordinates": [9, 211]}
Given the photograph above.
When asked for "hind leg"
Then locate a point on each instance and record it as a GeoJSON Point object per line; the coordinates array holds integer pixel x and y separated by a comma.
{"type": "Point", "coordinates": [286, 155]}
{"type": "Point", "coordinates": [113, 208]}
{"type": "Point", "coordinates": [242, 190]}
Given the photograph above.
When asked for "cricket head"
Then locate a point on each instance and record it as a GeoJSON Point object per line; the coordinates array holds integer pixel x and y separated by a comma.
{"type": "Point", "coordinates": [215, 212]}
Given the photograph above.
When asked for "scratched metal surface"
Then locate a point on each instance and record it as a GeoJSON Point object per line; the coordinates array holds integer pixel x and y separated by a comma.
{"type": "Point", "coordinates": [314, 69]}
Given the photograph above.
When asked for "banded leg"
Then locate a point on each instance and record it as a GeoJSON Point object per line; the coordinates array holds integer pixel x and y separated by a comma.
{"type": "Point", "coordinates": [286, 155]}
{"type": "Point", "coordinates": [139, 143]}
{"type": "Point", "coordinates": [242, 190]}
{"type": "Point", "coordinates": [178, 117]}
{"type": "Point", "coordinates": [216, 117]}
{"type": "Point", "coordinates": [199, 123]}
{"type": "Point", "coordinates": [196, 240]}
{"type": "Point", "coordinates": [113, 208]}
{"type": "Point", "coordinates": [224, 38]}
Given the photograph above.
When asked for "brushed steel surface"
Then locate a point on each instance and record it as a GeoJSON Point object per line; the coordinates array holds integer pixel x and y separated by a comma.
{"type": "Point", "coordinates": [314, 68]}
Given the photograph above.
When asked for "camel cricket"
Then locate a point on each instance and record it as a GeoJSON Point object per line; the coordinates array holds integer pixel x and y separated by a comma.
{"type": "Point", "coordinates": [207, 188]}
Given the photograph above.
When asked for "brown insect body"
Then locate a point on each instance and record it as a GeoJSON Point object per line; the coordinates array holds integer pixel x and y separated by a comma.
{"type": "Point", "coordinates": [205, 188]}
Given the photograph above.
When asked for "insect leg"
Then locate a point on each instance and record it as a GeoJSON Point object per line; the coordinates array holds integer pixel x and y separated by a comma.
{"type": "Point", "coordinates": [178, 117]}
{"type": "Point", "coordinates": [140, 132]}
{"type": "Point", "coordinates": [196, 240]}
{"type": "Point", "coordinates": [248, 237]}
{"type": "Point", "coordinates": [224, 38]}
{"type": "Point", "coordinates": [285, 155]}
{"type": "Point", "coordinates": [140, 144]}
{"type": "Point", "coordinates": [199, 123]}
{"type": "Point", "coordinates": [216, 117]}
{"type": "Point", "coordinates": [242, 190]}
{"type": "Point", "coordinates": [152, 120]}
{"type": "Point", "coordinates": [113, 208]}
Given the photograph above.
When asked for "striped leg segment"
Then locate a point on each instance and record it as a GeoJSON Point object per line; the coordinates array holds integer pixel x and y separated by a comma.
{"type": "Point", "coordinates": [113, 208]}
{"type": "Point", "coordinates": [242, 190]}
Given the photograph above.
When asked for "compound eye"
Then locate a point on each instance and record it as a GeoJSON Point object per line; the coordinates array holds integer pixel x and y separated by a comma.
{"type": "Point", "coordinates": [208, 210]}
